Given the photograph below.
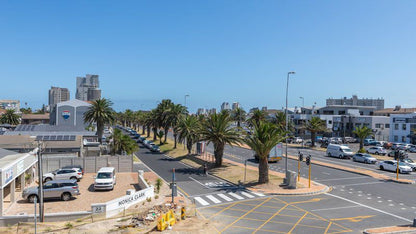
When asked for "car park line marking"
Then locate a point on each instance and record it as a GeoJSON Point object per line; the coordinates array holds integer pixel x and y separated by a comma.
{"type": "Point", "coordinates": [236, 196]}
{"type": "Point", "coordinates": [224, 197]}
{"type": "Point", "coordinates": [201, 201]}
{"type": "Point", "coordinates": [401, 204]}
{"type": "Point", "coordinates": [379, 201]}
{"type": "Point", "coordinates": [258, 194]}
{"type": "Point", "coordinates": [212, 198]}
{"type": "Point", "coordinates": [299, 220]}
{"type": "Point", "coordinates": [247, 195]}
{"type": "Point", "coordinates": [369, 207]}
{"type": "Point", "coordinates": [369, 198]}
{"type": "Point", "coordinates": [354, 219]}
{"type": "Point", "coordinates": [203, 185]}
{"type": "Point", "coordinates": [389, 200]}
{"type": "Point", "coordinates": [391, 204]}
{"type": "Point", "coordinates": [336, 208]}
{"type": "Point", "coordinates": [326, 173]}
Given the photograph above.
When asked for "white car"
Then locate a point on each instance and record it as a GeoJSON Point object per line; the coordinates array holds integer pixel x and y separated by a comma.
{"type": "Point", "coordinates": [297, 140]}
{"type": "Point", "coordinates": [377, 150]}
{"type": "Point", "coordinates": [410, 163]}
{"type": "Point", "coordinates": [412, 150]}
{"type": "Point", "coordinates": [63, 174]}
{"type": "Point", "coordinates": [391, 165]}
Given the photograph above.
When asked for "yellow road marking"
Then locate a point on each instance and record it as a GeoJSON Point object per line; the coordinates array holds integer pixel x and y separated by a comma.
{"type": "Point", "coordinates": [262, 229]}
{"type": "Point", "coordinates": [299, 220]}
{"type": "Point", "coordinates": [219, 212]}
{"type": "Point", "coordinates": [180, 189]}
{"type": "Point", "coordinates": [354, 219]}
{"type": "Point", "coordinates": [205, 219]}
{"type": "Point", "coordinates": [268, 199]}
{"type": "Point", "coordinates": [274, 215]}
{"type": "Point", "coordinates": [327, 228]}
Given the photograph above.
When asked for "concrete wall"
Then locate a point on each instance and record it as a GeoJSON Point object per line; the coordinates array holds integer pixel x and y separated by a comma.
{"type": "Point", "coordinates": [90, 164]}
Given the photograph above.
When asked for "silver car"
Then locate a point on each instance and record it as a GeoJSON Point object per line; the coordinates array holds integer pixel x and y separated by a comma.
{"type": "Point", "coordinates": [365, 158]}
{"type": "Point", "coordinates": [62, 189]}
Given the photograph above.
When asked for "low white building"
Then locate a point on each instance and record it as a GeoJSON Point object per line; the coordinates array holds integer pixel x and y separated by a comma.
{"type": "Point", "coordinates": [403, 128]}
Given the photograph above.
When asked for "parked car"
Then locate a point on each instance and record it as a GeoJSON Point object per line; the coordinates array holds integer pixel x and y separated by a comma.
{"type": "Point", "coordinates": [377, 150]}
{"type": "Point", "coordinates": [105, 179]}
{"type": "Point", "coordinates": [63, 189]}
{"type": "Point", "coordinates": [63, 174]}
{"type": "Point", "coordinates": [412, 150]}
{"type": "Point", "coordinates": [297, 140]}
{"type": "Point", "coordinates": [401, 152]}
{"type": "Point", "coordinates": [409, 163]}
{"type": "Point", "coordinates": [395, 146]}
{"type": "Point", "coordinates": [339, 151]}
{"type": "Point", "coordinates": [368, 141]}
{"type": "Point", "coordinates": [74, 166]}
{"type": "Point", "coordinates": [391, 165]}
{"type": "Point", "coordinates": [387, 145]}
{"type": "Point", "coordinates": [375, 143]}
{"type": "Point", "coordinates": [155, 148]}
{"type": "Point", "coordinates": [350, 140]}
{"type": "Point", "coordinates": [365, 158]}
{"type": "Point", "coordinates": [405, 147]}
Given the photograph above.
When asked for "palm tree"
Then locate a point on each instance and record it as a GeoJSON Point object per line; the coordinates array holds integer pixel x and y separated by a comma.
{"type": "Point", "coordinates": [217, 129]}
{"type": "Point", "coordinates": [238, 115]}
{"type": "Point", "coordinates": [10, 117]}
{"type": "Point", "coordinates": [122, 142]}
{"type": "Point", "coordinates": [176, 113]}
{"type": "Point", "coordinates": [315, 125]}
{"type": "Point", "coordinates": [163, 115]}
{"type": "Point", "coordinates": [128, 117]}
{"type": "Point", "coordinates": [101, 113]}
{"type": "Point", "coordinates": [256, 117]}
{"type": "Point", "coordinates": [362, 133]}
{"type": "Point", "coordinates": [188, 130]}
{"type": "Point", "coordinates": [265, 136]}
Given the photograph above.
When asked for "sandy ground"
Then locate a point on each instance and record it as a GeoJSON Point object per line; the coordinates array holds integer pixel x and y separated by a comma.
{"type": "Point", "coordinates": [82, 202]}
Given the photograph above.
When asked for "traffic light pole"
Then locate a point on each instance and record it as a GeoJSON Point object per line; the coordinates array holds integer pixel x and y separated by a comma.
{"type": "Point", "coordinates": [309, 175]}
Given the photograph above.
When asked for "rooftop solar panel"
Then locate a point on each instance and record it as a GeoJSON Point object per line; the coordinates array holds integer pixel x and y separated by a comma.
{"type": "Point", "coordinates": [46, 138]}
{"type": "Point", "coordinates": [72, 138]}
{"type": "Point", "coordinates": [52, 138]}
{"type": "Point", "coordinates": [66, 138]}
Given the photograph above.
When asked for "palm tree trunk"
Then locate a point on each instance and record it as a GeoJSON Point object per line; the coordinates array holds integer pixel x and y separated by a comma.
{"type": "Point", "coordinates": [143, 129]}
{"type": "Point", "coordinates": [218, 153]}
{"type": "Point", "coordinates": [154, 134]}
{"type": "Point", "coordinates": [361, 143]}
{"type": "Point", "coordinates": [263, 170]}
{"type": "Point", "coordinates": [174, 139]}
{"type": "Point", "coordinates": [166, 134]}
{"type": "Point", "coordinates": [148, 131]}
{"type": "Point", "coordinates": [189, 146]}
{"type": "Point", "coordinates": [313, 138]}
{"type": "Point", "coordinates": [100, 129]}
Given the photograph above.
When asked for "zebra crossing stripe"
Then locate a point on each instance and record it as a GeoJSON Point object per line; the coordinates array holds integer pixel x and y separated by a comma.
{"type": "Point", "coordinates": [201, 201]}
{"type": "Point", "coordinates": [224, 197]}
{"type": "Point", "coordinates": [247, 195]}
{"type": "Point", "coordinates": [258, 194]}
{"type": "Point", "coordinates": [212, 198]}
{"type": "Point", "coordinates": [236, 196]}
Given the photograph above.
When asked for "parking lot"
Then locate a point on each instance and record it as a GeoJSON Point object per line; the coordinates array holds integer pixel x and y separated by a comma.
{"type": "Point", "coordinates": [125, 181]}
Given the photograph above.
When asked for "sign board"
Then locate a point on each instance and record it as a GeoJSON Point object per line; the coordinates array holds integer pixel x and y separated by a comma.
{"type": "Point", "coordinates": [66, 114]}
{"type": "Point", "coordinates": [8, 175]}
{"type": "Point", "coordinates": [98, 208]}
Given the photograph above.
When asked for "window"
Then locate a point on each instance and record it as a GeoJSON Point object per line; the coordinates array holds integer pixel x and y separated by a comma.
{"type": "Point", "coordinates": [403, 139]}
{"type": "Point", "coordinates": [341, 112]}
{"type": "Point", "coordinates": [387, 125]}
{"type": "Point", "coordinates": [396, 126]}
{"type": "Point", "coordinates": [378, 125]}
{"type": "Point", "coordinates": [396, 138]}
{"type": "Point", "coordinates": [329, 121]}
{"type": "Point", "coordinates": [404, 126]}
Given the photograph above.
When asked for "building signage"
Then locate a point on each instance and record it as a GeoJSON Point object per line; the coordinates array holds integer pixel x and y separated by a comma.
{"type": "Point", "coordinates": [20, 166]}
{"type": "Point", "coordinates": [130, 199]}
{"type": "Point", "coordinates": [399, 120]}
{"type": "Point", "coordinates": [8, 175]}
{"type": "Point", "coordinates": [66, 114]}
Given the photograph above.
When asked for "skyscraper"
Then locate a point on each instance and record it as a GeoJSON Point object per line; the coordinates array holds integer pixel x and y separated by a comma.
{"type": "Point", "coordinates": [236, 105]}
{"type": "Point", "coordinates": [88, 88]}
{"type": "Point", "coordinates": [225, 106]}
{"type": "Point", "coordinates": [57, 95]}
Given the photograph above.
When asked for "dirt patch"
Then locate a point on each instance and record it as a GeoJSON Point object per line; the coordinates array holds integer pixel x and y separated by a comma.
{"type": "Point", "coordinates": [83, 201]}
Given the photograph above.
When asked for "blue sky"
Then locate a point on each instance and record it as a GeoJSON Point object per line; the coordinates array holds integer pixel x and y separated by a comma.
{"type": "Point", "coordinates": [215, 51]}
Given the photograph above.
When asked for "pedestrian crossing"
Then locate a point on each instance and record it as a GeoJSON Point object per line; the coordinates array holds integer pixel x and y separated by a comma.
{"type": "Point", "coordinates": [213, 199]}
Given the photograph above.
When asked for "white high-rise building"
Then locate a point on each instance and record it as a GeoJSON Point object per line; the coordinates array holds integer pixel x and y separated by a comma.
{"type": "Point", "coordinates": [225, 106]}
{"type": "Point", "coordinates": [236, 105]}
{"type": "Point", "coordinates": [88, 88]}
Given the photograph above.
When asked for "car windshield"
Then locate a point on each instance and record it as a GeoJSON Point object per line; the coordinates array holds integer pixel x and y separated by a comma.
{"type": "Point", "coordinates": [408, 160]}
{"type": "Point", "coordinates": [366, 156]}
{"type": "Point", "coordinates": [104, 175]}
{"type": "Point", "coordinates": [402, 164]}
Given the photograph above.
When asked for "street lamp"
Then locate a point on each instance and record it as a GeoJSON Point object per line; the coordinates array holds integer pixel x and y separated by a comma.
{"type": "Point", "coordinates": [287, 121]}
{"type": "Point", "coordinates": [187, 95]}
{"type": "Point", "coordinates": [303, 101]}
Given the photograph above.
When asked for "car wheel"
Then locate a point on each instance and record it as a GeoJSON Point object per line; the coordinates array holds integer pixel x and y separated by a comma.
{"type": "Point", "coordinates": [382, 168]}
{"type": "Point", "coordinates": [400, 171]}
{"type": "Point", "coordinates": [73, 178]}
{"type": "Point", "coordinates": [329, 154]}
{"type": "Point", "coordinates": [66, 196]}
{"type": "Point", "coordinates": [340, 156]}
{"type": "Point", "coordinates": [48, 179]}
{"type": "Point", "coordinates": [31, 198]}
{"type": "Point", "coordinates": [377, 153]}
{"type": "Point", "coordinates": [354, 160]}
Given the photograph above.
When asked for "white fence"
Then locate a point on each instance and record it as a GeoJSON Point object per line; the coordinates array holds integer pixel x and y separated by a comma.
{"type": "Point", "coordinates": [120, 204]}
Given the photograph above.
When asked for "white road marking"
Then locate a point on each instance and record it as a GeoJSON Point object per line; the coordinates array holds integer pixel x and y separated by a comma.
{"type": "Point", "coordinates": [258, 194]}
{"type": "Point", "coordinates": [403, 208]}
{"type": "Point", "coordinates": [198, 182]}
{"type": "Point", "coordinates": [201, 201]}
{"type": "Point", "coordinates": [378, 197]}
{"type": "Point", "coordinates": [359, 195]}
{"type": "Point", "coordinates": [368, 194]}
{"type": "Point", "coordinates": [247, 195]}
{"type": "Point", "coordinates": [401, 204]}
{"type": "Point", "coordinates": [335, 208]}
{"type": "Point", "coordinates": [212, 198]}
{"type": "Point", "coordinates": [379, 201]}
{"type": "Point", "coordinates": [391, 204]}
{"type": "Point", "coordinates": [363, 184]}
{"type": "Point", "coordinates": [224, 197]}
{"type": "Point", "coordinates": [369, 198]}
{"type": "Point", "coordinates": [369, 207]}
{"type": "Point", "coordinates": [236, 196]}
{"type": "Point", "coordinates": [389, 200]}
{"type": "Point", "coordinates": [326, 173]}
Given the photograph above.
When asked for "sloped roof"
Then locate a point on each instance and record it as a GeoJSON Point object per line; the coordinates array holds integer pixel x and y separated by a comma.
{"type": "Point", "coordinates": [74, 103]}
{"type": "Point", "coordinates": [35, 116]}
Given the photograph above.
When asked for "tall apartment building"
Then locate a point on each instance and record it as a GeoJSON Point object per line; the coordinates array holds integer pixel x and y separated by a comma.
{"type": "Point", "coordinates": [236, 105]}
{"type": "Point", "coordinates": [57, 95]}
{"type": "Point", "coordinates": [88, 88]}
{"type": "Point", "coordinates": [355, 101]}
{"type": "Point", "coordinates": [225, 106]}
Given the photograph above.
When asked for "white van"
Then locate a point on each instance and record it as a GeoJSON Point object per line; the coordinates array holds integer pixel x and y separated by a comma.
{"type": "Point", "coordinates": [105, 179]}
{"type": "Point", "coordinates": [339, 151]}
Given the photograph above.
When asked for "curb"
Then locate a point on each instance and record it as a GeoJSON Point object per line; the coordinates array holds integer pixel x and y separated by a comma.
{"type": "Point", "coordinates": [324, 190]}
{"type": "Point", "coordinates": [394, 232]}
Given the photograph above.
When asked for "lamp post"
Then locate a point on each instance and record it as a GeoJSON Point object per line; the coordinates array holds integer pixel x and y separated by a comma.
{"type": "Point", "coordinates": [303, 101]}
{"type": "Point", "coordinates": [287, 122]}
{"type": "Point", "coordinates": [186, 96]}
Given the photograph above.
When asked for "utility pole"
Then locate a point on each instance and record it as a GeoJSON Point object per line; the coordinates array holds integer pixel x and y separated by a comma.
{"type": "Point", "coordinates": [287, 124]}
{"type": "Point", "coordinates": [40, 178]}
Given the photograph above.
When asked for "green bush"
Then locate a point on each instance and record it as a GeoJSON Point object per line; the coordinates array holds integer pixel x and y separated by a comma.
{"type": "Point", "coordinates": [362, 150]}
{"type": "Point", "coordinates": [69, 225]}
{"type": "Point", "coordinates": [158, 184]}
